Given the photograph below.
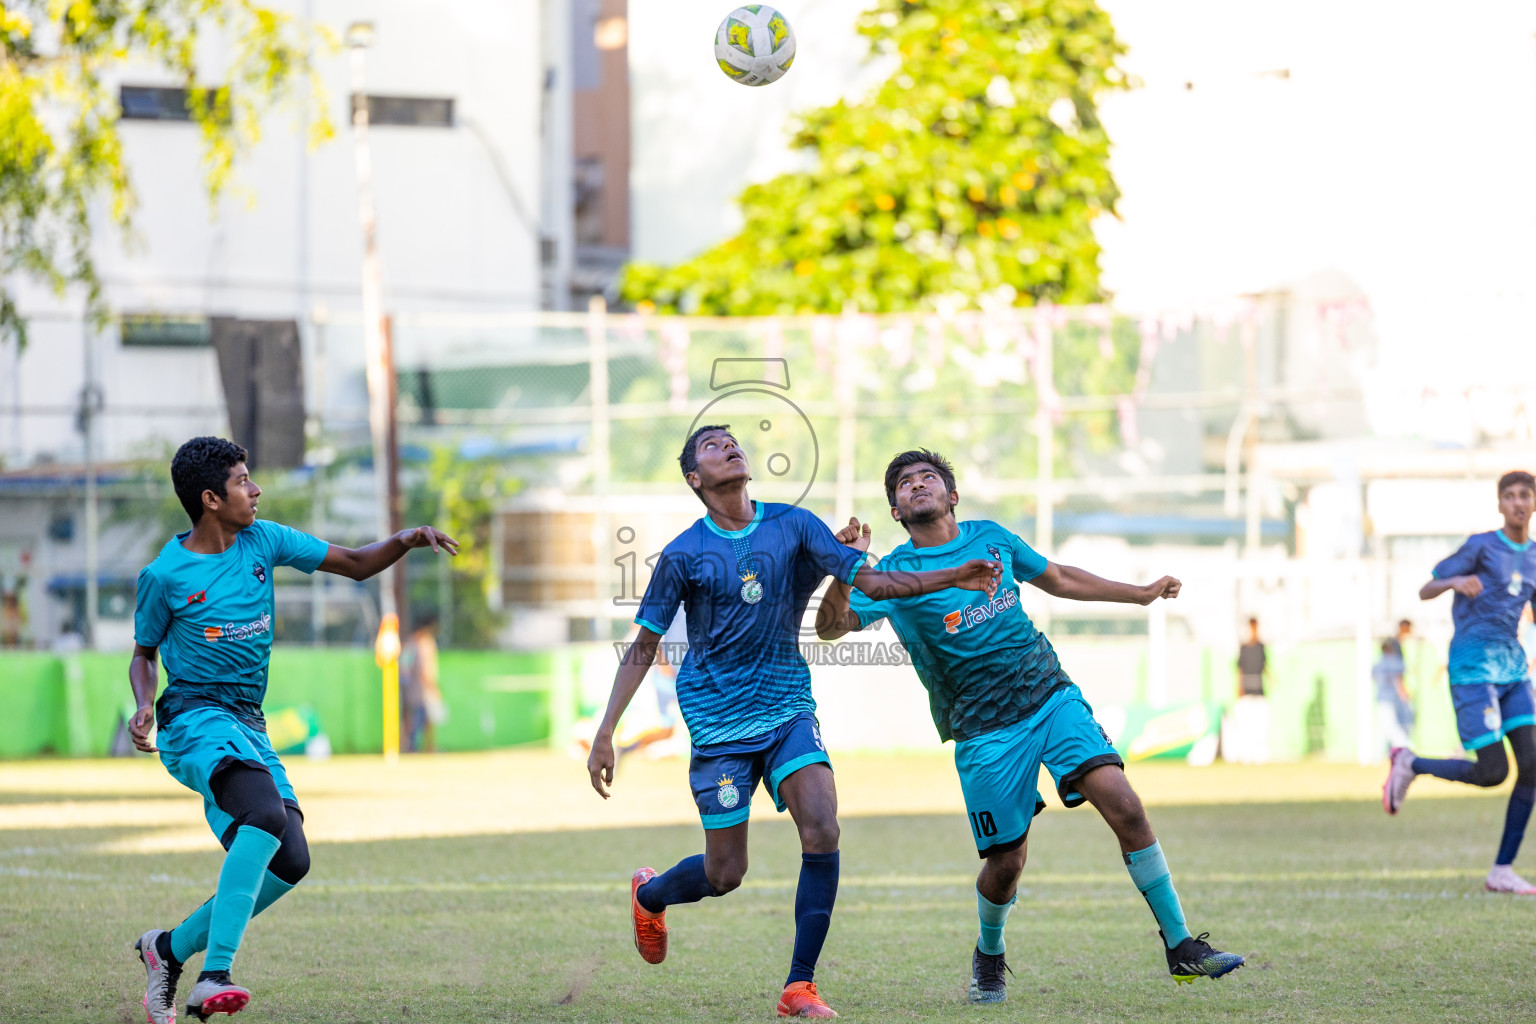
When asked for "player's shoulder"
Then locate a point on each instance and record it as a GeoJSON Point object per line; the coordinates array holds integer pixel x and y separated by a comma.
{"type": "Point", "coordinates": [170, 555]}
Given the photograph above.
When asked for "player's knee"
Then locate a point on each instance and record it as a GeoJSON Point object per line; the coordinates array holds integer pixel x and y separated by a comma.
{"type": "Point", "coordinates": [271, 818]}
{"type": "Point", "coordinates": [1489, 774]}
{"type": "Point", "coordinates": [290, 864]}
{"type": "Point", "coordinates": [724, 878]}
{"type": "Point", "coordinates": [820, 836]}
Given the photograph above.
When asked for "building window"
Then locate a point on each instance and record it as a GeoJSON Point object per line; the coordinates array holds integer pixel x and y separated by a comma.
{"type": "Point", "coordinates": [410, 111]}
{"type": "Point", "coordinates": [154, 330]}
{"type": "Point", "coordinates": [154, 103]}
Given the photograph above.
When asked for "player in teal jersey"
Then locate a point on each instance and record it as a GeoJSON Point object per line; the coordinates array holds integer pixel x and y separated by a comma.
{"type": "Point", "coordinates": [204, 606]}
{"type": "Point", "coordinates": [997, 689]}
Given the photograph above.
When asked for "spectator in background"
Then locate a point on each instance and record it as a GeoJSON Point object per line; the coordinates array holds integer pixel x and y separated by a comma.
{"type": "Point", "coordinates": [1252, 663]}
{"type": "Point", "coordinates": [1394, 713]}
{"type": "Point", "coordinates": [1404, 631]}
{"type": "Point", "coordinates": [421, 702]}
{"type": "Point", "coordinates": [1245, 729]}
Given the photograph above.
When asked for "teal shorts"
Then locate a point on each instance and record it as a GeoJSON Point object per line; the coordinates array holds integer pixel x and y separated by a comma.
{"type": "Point", "coordinates": [999, 770]}
{"type": "Point", "coordinates": [201, 741]}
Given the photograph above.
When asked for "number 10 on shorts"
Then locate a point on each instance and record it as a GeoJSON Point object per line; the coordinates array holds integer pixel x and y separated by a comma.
{"type": "Point", "coordinates": [983, 825]}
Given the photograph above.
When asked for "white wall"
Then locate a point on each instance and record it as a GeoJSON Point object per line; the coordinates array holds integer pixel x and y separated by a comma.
{"type": "Point", "coordinates": [285, 240]}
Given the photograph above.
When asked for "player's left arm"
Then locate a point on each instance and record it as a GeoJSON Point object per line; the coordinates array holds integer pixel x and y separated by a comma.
{"type": "Point", "coordinates": [834, 617]}
{"type": "Point", "coordinates": [1074, 584]}
{"type": "Point", "coordinates": [362, 563]}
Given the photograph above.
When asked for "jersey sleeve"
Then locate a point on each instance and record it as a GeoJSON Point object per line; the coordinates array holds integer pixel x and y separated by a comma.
{"type": "Point", "coordinates": [151, 611]}
{"type": "Point", "coordinates": [1462, 563]}
{"type": "Point", "coordinates": [293, 547]}
{"type": "Point", "coordinates": [868, 609]}
{"type": "Point", "coordinates": [821, 546]}
{"type": "Point", "coordinates": [1027, 562]}
{"type": "Point", "coordinates": [664, 594]}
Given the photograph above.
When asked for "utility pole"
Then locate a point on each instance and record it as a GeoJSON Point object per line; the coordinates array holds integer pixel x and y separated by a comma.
{"type": "Point", "coordinates": [90, 406]}
{"type": "Point", "coordinates": [360, 36]}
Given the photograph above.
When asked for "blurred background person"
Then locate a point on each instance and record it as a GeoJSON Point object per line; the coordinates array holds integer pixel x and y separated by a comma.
{"type": "Point", "coordinates": [1245, 729]}
{"type": "Point", "coordinates": [1394, 711]}
{"type": "Point", "coordinates": [421, 702]}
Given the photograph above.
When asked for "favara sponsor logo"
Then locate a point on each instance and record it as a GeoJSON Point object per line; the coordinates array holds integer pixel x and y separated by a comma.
{"type": "Point", "coordinates": [969, 616]}
{"type": "Point", "coordinates": [230, 631]}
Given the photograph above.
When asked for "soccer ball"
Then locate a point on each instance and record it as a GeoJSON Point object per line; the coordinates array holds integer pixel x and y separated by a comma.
{"type": "Point", "coordinates": [755, 45]}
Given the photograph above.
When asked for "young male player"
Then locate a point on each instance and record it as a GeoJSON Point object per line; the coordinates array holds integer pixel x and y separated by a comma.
{"type": "Point", "coordinates": [1494, 577]}
{"type": "Point", "coordinates": [744, 573]}
{"type": "Point", "coordinates": [206, 601]}
{"type": "Point", "coordinates": [996, 688]}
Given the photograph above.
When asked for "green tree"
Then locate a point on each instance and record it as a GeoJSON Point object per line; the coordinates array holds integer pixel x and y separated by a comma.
{"type": "Point", "coordinates": [59, 143]}
{"type": "Point", "coordinates": [974, 173]}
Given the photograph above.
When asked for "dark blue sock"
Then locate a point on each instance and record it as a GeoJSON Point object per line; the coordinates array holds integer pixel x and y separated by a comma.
{"type": "Point", "coordinates": [1453, 769]}
{"type": "Point", "coordinates": [813, 912]}
{"type": "Point", "coordinates": [1521, 799]}
{"type": "Point", "coordinates": [685, 882]}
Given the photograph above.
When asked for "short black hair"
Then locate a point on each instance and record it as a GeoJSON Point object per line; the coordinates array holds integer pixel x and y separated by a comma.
{"type": "Point", "coordinates": [689, 459]}
{"type": "Point", "coordinates": [912, 458]}
{"type": "Point", "coordinates": [202, 464]}
{"type": "Point", "coordinates": [1518, 476]}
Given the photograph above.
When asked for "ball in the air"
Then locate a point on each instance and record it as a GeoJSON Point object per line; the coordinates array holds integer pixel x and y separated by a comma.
{"type": "Point", "coordinates": [755, 45]}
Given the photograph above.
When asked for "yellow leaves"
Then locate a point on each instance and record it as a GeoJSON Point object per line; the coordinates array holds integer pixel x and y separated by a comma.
{"type": "Point", "coordinates": [805, 268]}
{"type": "Point", "coordinates": [1007, 229]}
{"type": "Point", "coordinates": [885, 201]}
{"type": "Point", "coordinates": [851, 206]}
{"type": "Point", "coordinates": [976, 194]}
{"type": "Point", "coordinates": [1023, 182]}
{"type": "Point", "coordinates": [986, 229]}
{"type": "Point", "coordinates": [15, 23]}
{"type": "Point", "coordinates": [1007, 195]}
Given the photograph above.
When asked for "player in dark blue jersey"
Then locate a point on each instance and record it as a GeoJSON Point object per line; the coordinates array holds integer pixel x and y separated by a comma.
{"type": "Point", "coordinates": [1494, 577]}
{"type": "Point", "coordinates": [204, 606]}
{"type": "Point", "coordinates": [996, 688]}
{"type": "Point", "coordinates": [744, 573]}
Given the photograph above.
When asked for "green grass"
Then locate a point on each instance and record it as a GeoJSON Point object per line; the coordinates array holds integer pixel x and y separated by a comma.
{"type": "Point", "coordinates": [1343, 913]}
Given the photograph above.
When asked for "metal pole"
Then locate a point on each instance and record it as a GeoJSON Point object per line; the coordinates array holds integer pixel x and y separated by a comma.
{"type": "Point", "coordinates": [90, 403]}
{"type": "Point", "coordinates": [847, 391]}
{"type": "Point", "coordinates": [387, 645]}
{"type": "Point", "coordinates": [602, 454]}
{"type": "Point", "coordinates": [1045, 446]}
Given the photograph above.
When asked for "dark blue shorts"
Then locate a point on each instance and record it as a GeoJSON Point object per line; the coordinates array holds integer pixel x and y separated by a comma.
{"type": "Point", "coordinates": [725, 775]}
{"type": "Point", "coordinates": [1485, 712]}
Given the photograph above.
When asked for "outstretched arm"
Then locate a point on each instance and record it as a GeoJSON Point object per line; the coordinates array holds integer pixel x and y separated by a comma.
{"type": "Point", "coordinates": [977, 574]}
{"type": "Point", "coordinates": [144, 677]}
{"type": "Point", "coordinates": [362, 563]}
{"type": "Point", "coordinates": [637, 660]}
{"type": "Point", "coordinates": [1467, 586]}
{"type": "Point", "coordinates": [1076, 584]}
{"type": "Point", "coordinates": [833, 616]}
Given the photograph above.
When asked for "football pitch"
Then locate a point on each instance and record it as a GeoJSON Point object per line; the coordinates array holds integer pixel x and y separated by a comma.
{"type": "Point", "coordinates": [494, 888]}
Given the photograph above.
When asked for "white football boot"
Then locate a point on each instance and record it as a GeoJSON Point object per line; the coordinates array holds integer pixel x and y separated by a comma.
{"type": "Point", "coordinates": [1395, 790]}
{"type": "Point", "coordinates": [1502, 878]}
{"type": "Point", "coordinates": [209, 997]}
{"type": "Point", "coordinates": [160, 993]}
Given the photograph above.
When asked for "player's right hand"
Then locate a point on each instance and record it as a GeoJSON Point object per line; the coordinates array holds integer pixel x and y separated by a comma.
{"type": "Point", "coordinates": [1467, 586]}
{"type": "Point", "coordinates": [600, 764]}
{"type": "Point", "coordinates": [852, 536]}
{"type": "Point", "coordinates": [980, 574]}
{"type": "Point", "coordinates": [140, 726]}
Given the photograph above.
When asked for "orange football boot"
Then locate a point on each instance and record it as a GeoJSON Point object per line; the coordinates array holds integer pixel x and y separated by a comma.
{"type": "Point", "coordinates": [650, 929]}
{"type": "Point", "coordinates": [800, 1000]}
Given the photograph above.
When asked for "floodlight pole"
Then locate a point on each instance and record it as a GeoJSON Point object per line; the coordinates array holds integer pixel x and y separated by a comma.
{"type": "Point", "coordinates": [360, 36]}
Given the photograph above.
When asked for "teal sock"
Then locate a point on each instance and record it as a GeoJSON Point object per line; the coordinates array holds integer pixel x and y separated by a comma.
{"type": "Point", "coordinates": [993, 917]}
{"type": "Point", "coordinates": [1150, 873]}
{"type": "Point", "coordinates": [191, 936]}
{"type": "Point", "coordinates": [240, 880]}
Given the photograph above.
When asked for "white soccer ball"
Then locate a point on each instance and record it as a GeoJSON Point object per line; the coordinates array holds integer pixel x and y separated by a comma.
{"type": "Point", "coordinates": [755, 45]}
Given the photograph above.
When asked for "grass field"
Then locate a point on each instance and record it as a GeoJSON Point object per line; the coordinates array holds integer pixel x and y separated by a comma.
{"type": "Point", "coordinates": [494, 887]}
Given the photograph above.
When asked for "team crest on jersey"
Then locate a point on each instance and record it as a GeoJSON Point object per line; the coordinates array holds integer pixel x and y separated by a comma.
{"type": "Point", "coordinates": [992, 550]}
{"type": "Point", "coordinates": [260, 572]}
{"type": "Point", "coordinates": [728, 795]}
{"type": "Point", "coordinates": [751, 588]}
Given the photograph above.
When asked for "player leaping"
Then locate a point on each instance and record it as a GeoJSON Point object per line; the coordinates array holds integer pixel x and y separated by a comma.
{"type": "Point", "coordinates": [205, 602]}
{"type": "Point", "coordinates": [744, 572]}
{"type": "Point", "coordinates": [996, 688]}
{"type": "Point", "coordinates": [1494, 577]}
